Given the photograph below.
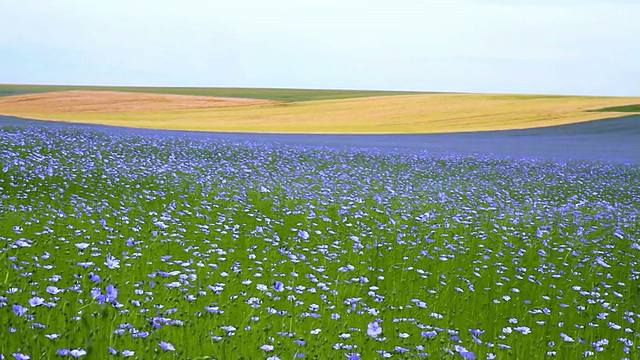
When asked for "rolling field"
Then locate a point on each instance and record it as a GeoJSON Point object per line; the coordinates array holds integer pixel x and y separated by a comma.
{"type": "Point", "coordinates": [88, 102]}
{"type": "Point", "coordinates": [160, 246]}
{"type": "Point", "coordinates": [614, 141]}
{"type": "Point", "coordinates": [423, 113]}
{"type": "Point", "coordinates": [250, 93]}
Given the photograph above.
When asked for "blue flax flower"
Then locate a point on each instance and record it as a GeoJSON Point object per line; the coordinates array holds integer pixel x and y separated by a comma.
{"type": "Point", "coordinates": [374, 329]}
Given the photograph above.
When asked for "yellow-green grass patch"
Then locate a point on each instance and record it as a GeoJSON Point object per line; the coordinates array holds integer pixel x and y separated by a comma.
{"type": "Point", "coordinates": [424, 113]}
{"type": "Point", "coordinates": [83, 102]}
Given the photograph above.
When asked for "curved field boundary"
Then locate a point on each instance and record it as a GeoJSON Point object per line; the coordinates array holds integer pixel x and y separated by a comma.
{"type": "Point", "coordinates": [409, 114]}
{"type": "Point", "coordinates": [614, 141]}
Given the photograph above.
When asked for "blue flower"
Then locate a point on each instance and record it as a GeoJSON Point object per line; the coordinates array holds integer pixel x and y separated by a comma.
{"type": "Point", "coordinates": [36, 301]}
{"type": "Point", "coordinates": [53, 290]}
{"type": "Point", "coordinates": [63, 352]}
{"type": "Point", "coordinates": [76, 353]}
{"type": "Point", "coordinates": [82, 245]}
{"type": "Point", "coordinates": [267, 347]}
{"type": "Point", "coordinates": [19, 310]}
{"type": "Point", "coordinates": [127, 353]}
{"type": "Point", "coordinates": [112, 262]}
{"type": "Point", "coordinates": [166, 346]}
{"type": "Point", "coordinates": [429, 334]}
{"type": "Point", "coordinates": [278, 286]}
{"type": "Point", "coordinates": [110, 296]}
{"type": "Point", "coordinates": [374, 329]}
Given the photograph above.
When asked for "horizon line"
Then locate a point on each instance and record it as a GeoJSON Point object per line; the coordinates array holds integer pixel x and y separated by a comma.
{"type": "Point", "coordinates": [314, 89]}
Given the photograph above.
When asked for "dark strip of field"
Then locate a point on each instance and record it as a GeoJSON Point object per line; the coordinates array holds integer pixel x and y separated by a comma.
{"type": "Point", "coordinates": [610, 140]}
{"type": "Point", "coordinates": [628, 108]}
{"type": "Point", "coordinates": [289, 95]}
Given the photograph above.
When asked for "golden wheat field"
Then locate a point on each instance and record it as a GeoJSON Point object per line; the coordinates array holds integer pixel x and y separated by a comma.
{"type": "Point", "coordinates": [421, 113]}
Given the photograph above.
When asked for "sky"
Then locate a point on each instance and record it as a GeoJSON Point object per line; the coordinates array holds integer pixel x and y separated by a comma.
{"type": "Point", "coordinates": [583, 47]}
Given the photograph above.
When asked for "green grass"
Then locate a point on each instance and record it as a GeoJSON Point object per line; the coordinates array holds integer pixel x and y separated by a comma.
{"type": "Point", "coordinates": [628, 108]}
{"type": "Point", "coordinates": [445, 244]}
{"type": "Point", "coordinates": [251, 93]}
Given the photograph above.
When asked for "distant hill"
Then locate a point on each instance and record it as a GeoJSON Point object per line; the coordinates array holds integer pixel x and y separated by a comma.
{"type": "Point", "coordinates": [250, 93]}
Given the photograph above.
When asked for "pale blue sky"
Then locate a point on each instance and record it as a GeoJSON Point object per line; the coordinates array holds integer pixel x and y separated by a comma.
{"type": "Point", "coordinates": [523, 46]}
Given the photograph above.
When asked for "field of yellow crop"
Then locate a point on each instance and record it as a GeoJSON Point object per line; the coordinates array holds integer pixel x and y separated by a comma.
{"type": "Point", "coordinates": [420, 113]}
